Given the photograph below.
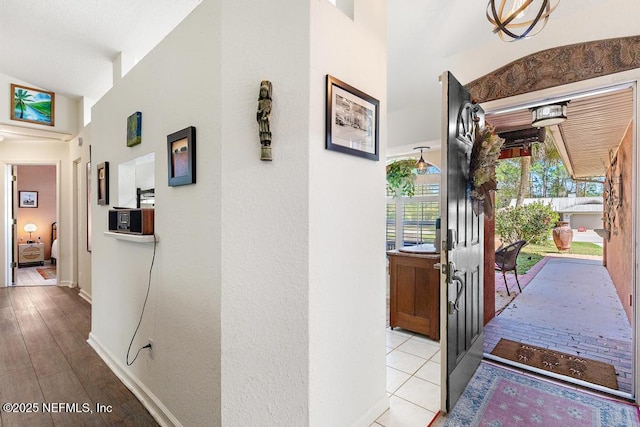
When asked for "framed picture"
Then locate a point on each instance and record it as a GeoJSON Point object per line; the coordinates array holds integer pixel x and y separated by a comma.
{"type": "Point", "coordinates": [134, 129]}
{"type": "Point", "coordinates": [103, 183]}
{"type": "Point", "coordinates": [181, 161]}
{"type": "Point", "coordinates": [32, 105]}
{"type": "Point", "coordinates": [88, 181]}
{"type": "Point", "coordinates": [28, 199]}
{"type": "Point", "coordinates": [352, 120]}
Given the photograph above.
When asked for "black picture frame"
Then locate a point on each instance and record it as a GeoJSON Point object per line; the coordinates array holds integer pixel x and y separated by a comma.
{"type": "Point", "coordinates": [103, 183]}
{"type": "Point", "coordinates": [352, 120]}
{"type": "Point", "coordinates": [28, 199]}
{"type": "Point", "coordinates": [181, 157]}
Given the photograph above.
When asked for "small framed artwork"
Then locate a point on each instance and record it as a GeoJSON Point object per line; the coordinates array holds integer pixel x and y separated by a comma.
{"type": "Point", "coordinates": [32, 105]}
{"type": "Point", "coordinates": [352, 120]}
{"type": "Point", "coordinates": [28, 199]}
{"type": "Point", "coordinates": [134, 129]}
{"type": "Point", "coordinates": [103, 183]}
{"type": "Point", "coordinates": [181, 162]}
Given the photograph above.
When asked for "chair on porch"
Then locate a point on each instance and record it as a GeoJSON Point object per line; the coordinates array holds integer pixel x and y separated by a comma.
{"type": "Point", "coordinates": [506, 261]}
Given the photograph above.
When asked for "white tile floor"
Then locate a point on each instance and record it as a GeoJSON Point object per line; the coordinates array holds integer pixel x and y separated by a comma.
{"type": "Point", "coordinates": [413, 380]}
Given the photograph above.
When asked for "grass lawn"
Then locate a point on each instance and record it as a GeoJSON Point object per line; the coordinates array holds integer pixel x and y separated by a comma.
{"type": "Point", "coordinates": [531, 254]}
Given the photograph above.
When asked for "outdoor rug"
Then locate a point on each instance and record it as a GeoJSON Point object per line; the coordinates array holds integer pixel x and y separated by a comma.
{"type": "Point", "coordinates": [569, 365]}
{"type": "Point", "coordinates": [47, 272]}
{"type": "Point", "coordinates": [501, 397]}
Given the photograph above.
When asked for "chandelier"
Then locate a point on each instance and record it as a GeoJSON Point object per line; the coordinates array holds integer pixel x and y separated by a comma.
{"type": "Point", "coordinates": [422, 165]}
{"type": "Point", "coordinates": [523, 19]}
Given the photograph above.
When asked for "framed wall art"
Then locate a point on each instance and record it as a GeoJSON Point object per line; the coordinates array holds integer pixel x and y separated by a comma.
{"type": "Point", "coordinates": [181, 157]}
{"type": "Point", "coordinates": [103, 183]}
{"type": "Point", "coordinates": [352, 120]}
{"type": "Point", "coordinates": [32, 105]}
{"type": "Point", "coordinates": [134, 129]}
{"type": "Point", "coordinates": [28, 199]}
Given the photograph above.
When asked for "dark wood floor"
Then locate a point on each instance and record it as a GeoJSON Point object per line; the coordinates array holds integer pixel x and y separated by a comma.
{"type": "Point", "coordinates": [44, 358]}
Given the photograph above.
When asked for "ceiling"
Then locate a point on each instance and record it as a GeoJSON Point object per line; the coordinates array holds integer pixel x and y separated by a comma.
{"type": "Point", "coordinates": [68, 47]}
{"type": "Point", "coordinates": [595, 125]}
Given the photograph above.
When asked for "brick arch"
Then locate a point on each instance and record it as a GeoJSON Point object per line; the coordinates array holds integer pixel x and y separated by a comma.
{"type": "Point", "coordinates": [558, 66]}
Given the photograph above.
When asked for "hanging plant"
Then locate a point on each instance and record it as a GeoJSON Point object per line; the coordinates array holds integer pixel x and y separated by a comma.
{"type": "Point", "coordinates": [401, 177]}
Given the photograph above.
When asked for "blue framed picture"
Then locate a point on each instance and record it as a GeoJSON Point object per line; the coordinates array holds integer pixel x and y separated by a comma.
{"type": "Point", "coordinates": [32, 105]}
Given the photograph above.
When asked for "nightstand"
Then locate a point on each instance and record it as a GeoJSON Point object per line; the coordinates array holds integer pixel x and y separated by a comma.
{"type": "Point", "coordinates": [30, 253]}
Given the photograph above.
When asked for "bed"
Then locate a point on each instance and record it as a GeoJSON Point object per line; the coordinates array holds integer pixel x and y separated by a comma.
{"type": "Point", "coordinates": [54, 244]}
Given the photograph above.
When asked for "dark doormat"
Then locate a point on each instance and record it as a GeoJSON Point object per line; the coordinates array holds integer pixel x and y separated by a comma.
{"type": "Point", "coordinates": [569, 365]}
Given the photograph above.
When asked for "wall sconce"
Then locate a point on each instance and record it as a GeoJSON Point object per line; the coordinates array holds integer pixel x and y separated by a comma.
{"type": "Point", "coordinates": [549, 115]}
{"type": "Point", "coordinates": [30, 228]}
{"type": "Point", "coordinates": [421, 165]}
{"type": "Point", "coordinates": [521, 15]}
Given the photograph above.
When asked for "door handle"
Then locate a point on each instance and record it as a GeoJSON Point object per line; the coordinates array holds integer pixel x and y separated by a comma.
{"type": "Point", "coordinates": [460, 285]}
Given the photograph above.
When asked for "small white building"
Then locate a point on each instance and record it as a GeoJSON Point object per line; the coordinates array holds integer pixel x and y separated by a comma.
{"type": "Point", "coordinates": [578, 211]}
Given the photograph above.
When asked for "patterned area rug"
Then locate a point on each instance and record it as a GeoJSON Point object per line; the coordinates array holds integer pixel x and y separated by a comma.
{"type": "Point", "coordinates": [47, 272]}
{"type": "Point", "coordinates": [500, 397]}
{"type": "Point", "coordinates": [570, 365]}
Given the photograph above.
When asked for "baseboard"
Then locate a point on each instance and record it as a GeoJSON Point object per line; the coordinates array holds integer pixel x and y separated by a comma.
{"type": "Point", "coordinates": [84, 295]}
{"type": "Point", "coordinates": [67, 283]}
{"type": "Point", "coordinates": [149, 400]}
{"type": "Point", "coordinates": [373, 414]}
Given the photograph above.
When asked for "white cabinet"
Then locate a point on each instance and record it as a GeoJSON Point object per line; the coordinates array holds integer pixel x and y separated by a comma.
{"type": "Point", "coordinates": [31, 252]}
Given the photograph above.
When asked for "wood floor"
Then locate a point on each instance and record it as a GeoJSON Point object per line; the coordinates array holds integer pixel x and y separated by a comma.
{"type": "Point", "coordinates": [44, 359]}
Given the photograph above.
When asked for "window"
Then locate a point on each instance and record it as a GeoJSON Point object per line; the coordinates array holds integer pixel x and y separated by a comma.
{"type": "Point", "coordinates": [412, 220]}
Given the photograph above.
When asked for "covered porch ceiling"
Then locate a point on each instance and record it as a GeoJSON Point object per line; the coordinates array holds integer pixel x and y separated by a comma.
{"type": "Point", "coordinates": [596, 123]}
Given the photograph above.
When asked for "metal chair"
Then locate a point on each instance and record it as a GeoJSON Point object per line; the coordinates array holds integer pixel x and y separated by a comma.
{"type": "Point", "coordinates": [506, 260]}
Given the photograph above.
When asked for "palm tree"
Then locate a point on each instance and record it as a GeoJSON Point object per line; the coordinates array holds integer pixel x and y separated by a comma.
{"type": "Point", "coordinates": [21, 98]}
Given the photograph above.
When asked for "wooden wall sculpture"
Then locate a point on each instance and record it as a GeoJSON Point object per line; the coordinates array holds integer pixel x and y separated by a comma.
{"type": "Point", "coordinates": [558, 66]}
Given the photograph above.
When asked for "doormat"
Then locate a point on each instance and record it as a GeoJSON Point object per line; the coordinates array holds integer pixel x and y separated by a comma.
{"type": "Point", "coordinates": [569, 365]}
{"type": "Point", "coordinates": [47, 272]}
{"type": "Point", "coordinates": [497, 396]}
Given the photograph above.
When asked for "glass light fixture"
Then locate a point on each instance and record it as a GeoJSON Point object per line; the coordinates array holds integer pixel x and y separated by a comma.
{"type": "Point", "coordinates": [422, 165]}
{"type": "Point", "coordinates": [549, 115]}
{"type": "Point", "coordinates": [525, 18]}
{"type": "Point", "coordinates": [30, 228]}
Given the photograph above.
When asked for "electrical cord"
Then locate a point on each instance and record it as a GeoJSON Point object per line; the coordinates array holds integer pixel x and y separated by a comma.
{"type": "Point", "coordinates": [153, 259]}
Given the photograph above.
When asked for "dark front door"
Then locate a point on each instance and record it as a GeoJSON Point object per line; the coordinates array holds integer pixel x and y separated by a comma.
{"type": "Point", "coordinates": [462, 230]}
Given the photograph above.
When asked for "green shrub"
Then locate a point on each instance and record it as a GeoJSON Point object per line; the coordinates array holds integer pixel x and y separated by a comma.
{"type": "Point", "coordinates": [400, 178]}
{"type": "Point", "coordinates": [532, 223]}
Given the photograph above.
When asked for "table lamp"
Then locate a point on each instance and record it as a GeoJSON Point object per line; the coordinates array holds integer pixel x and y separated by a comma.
{"type": "Point", "coordinates": [30, 228]}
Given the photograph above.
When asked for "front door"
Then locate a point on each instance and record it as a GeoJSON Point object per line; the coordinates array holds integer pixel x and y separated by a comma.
{"type": "Point", "coordinates": [462, 232]}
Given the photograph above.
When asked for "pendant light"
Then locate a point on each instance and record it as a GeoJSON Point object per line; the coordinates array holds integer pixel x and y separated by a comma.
{"type": "Point", "coordinates": [421, 165]}
{"type": "Point", "coordinates": [523, 19]}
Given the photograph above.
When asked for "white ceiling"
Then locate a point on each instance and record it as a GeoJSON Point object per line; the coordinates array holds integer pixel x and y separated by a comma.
{"type": "Point", "coordinates": [68, 46]}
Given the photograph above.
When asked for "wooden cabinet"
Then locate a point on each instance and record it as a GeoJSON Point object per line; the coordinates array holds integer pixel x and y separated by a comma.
{"type": "Point", "coordinates": [415, 291]}
{"type": "Point", "coordinates": [31, 253]}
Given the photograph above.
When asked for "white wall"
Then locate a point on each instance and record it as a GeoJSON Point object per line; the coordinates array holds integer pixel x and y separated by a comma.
{"type": "Point", "coordinates": [346, 232]}
{"type": "Point", "coordinates": [175, 86]}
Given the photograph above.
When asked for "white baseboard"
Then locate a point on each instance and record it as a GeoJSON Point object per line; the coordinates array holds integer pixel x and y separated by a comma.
{"type": "Point", "coordinates": [373, 414]}
{"type": "Point", "coordinates": [84, 295]}
{"type": "Point", "coordinates": [150, 401]}
{"type": "Point", "coordinates": [68, 284]}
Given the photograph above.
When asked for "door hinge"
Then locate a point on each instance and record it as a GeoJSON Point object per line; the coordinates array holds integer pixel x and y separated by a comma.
{"type": "Point", "coordinates": [14, 221]}
{"type": "Point", "coordinates": [13, 265]}
{"type": "Point", "coordinates": [14, 178]}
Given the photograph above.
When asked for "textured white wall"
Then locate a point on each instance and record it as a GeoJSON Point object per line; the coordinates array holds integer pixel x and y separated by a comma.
{"type": "Point", "coordinates": [346, 227]}
{"type": "Point", "coordinates": [175, 86]}
{"type": "Point", "coordinates": [265, 216]}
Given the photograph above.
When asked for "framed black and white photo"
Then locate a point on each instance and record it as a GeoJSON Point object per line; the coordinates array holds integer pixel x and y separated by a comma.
{"type": "Point", "coordinates": [28, 199]}
{"type": "Point", "coordinates": [352, 120]}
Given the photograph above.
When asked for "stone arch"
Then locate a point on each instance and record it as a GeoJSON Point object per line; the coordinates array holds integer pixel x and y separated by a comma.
{"type": "Point", "coordinates": [558, 66]}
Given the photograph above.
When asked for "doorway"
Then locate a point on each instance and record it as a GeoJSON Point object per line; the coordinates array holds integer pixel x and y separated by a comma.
{"type": "Point", "coordinates": [33, 205]}
{"type": "Point", "coordinates": [576, 296]}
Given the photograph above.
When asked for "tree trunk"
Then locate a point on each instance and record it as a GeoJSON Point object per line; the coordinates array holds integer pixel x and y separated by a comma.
{"type": "Point", "coordinates": [524, 180]}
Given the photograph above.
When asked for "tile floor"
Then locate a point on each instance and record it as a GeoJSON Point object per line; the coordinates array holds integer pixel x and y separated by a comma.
{"type": "Point", "coordinates": [29, 276]}
{"type": "Point", "coordinates": [413, 380]}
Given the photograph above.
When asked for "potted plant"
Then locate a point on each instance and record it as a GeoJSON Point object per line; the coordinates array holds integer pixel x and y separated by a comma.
{"type": "Point", "coordinates": [401, 177]}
